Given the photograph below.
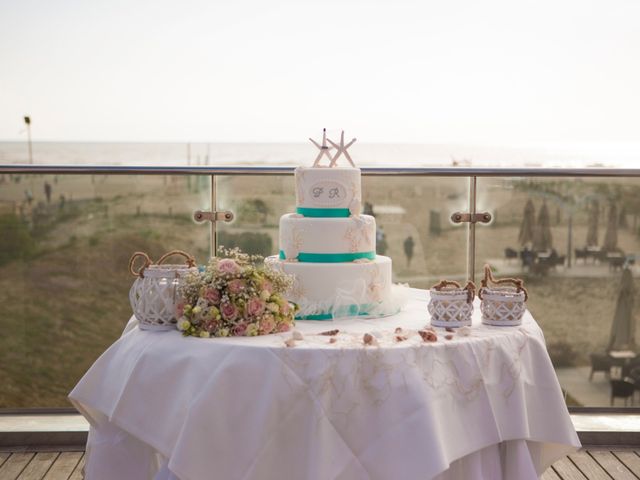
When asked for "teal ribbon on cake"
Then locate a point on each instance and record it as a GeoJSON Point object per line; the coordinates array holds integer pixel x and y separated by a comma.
{"type": "Point", "coordinates": [331, 257]}
{"type": "Point", "coordinates": [351, 311]}
{"type": "Point", "coordinates": [323, 212]}
{"type": "Point", "coordinates": [347, 311]}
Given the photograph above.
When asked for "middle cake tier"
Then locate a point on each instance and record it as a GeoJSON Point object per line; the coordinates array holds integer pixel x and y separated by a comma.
{"type": "Point", "coordinates": [327, 240]}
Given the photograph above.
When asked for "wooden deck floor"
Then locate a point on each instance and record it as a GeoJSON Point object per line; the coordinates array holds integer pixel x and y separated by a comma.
{"type": "Point", "coordinates": [590, 464]}
{"type": "Point", "coordinates": [41, 465]}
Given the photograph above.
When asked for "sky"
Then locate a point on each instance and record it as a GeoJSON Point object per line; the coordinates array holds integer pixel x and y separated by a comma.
{"type": "Point", "coordinates": [500, 72]}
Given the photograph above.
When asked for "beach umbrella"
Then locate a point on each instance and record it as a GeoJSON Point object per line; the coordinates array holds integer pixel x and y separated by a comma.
{"type": "Point", "coordinates": [542, 239]}
{"type": "Point", "coordinates": [622, 222]}
{"type": "Point", "coordinates": [623, 329]}
{"type": "Point", "coordinates": [592, 226]}
{"type": "Point", "coordinates": [611, 234]}
{"type": "Point", "coordinates": [528, 223]}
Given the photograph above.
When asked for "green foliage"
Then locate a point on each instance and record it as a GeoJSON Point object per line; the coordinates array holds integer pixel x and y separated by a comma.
{"type": "Point", "coordinates": [252, 243]}
{"type": "Point", "coordinates": [16, 241]}
{"type": "Point", "coordinates": [253, 210]}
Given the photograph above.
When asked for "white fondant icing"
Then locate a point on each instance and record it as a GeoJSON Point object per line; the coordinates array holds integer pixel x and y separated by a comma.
{"type": "Point", "coordinates": [332, 287]}
{"type": "Point", "coordinates": [324, 187]}
{"type": "Point", "coordinates": [291, 240]}
{"type": "Point", "coordinates": [327, 235]}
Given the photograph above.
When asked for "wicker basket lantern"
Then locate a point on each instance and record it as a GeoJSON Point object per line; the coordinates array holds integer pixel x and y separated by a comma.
{"type": "Point", "coordinates": [502, 300]}
{"type": "Point", "coordinates": [450, 304]}
{"type": "Point", "coordinates": [154, 294]}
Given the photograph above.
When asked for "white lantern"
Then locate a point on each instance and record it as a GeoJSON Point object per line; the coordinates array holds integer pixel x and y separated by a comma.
{"type": "Point", "coordinates": [450, 304]}
{"type": "Point", "coordinates": [502, 301]}
{"type": "Point", "coordinates": [154, 295]}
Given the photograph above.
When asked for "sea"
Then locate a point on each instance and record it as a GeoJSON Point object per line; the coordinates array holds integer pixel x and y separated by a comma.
{"type": "Point", "coordinates": [610, 155]}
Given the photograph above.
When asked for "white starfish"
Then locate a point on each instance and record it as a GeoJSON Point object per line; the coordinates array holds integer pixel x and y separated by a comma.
{"type": "Point", "coordinates": [324, 148]}
{"type": "Point", "coordinates": [341, 149]}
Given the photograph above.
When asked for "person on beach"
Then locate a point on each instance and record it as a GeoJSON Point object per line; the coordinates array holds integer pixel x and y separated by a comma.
{"type": "Point", "coordinates": [408, 249]}
{"type": "Point", "coordinates": [47, 191]}
{"type": "Point", "coordinates": [381, 241]}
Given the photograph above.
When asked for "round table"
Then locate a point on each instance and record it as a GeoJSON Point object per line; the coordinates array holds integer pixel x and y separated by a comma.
{"type": "Point", "coordinates": [486, 405]}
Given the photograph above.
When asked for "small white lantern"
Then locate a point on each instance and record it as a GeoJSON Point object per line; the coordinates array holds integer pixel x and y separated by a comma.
{"type": "Point", "coordinates": [450, 304]}
{"type": "Point", "coordinates": [154, 294]}
{"type": "Point", "coordinates": [502, 301]}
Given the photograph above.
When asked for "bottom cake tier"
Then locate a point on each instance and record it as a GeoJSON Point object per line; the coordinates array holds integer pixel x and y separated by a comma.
{"type": "Point", "coordinates": [324, 291]}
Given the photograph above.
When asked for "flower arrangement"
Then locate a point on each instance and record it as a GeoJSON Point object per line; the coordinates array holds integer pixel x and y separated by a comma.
{"type": "Point", "coordinates": [235, 296]}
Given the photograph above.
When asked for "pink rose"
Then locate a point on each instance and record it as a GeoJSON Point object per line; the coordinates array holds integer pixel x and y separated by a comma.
{"type": "Point", "coordinates": [266, 285]}
{"type": "Point", "coordinates": [285, 308]}
{"type": "Point", "coordinates": [211, 326]}
{"type": "Point", "coordinates": [212, 295]}
{"type": "Point", "coordinates": [228, 265]}
{"type": "Point", "coordinates": [255, 306]}
{"type": "Point", "coordinates": [229, 311]}
{"type": "Point", "coordinates": [180, 309]}
{"type": "Point", "coordinates": [240, 329]}
{"type": "Point", "coordinates": [267, 324]}
{"type": "Point", "coordinates": [284, 327]}
{"type": "Point", "coordinates": [236, 286]}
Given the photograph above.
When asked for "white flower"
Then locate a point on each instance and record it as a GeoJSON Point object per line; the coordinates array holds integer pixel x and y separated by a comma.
{"type": "Point", "coordinates": [273, 307]}
{"type": "Point", "coordinates": [204, 334]}
{"type": "Point", "coordinates": [264, 295]}
{"type": "Point", "coordinates": [183, 324]}
{"type": "Point", "coordinates": [223, 332]}
{"type": "Point", "coordinates": [196, 310]}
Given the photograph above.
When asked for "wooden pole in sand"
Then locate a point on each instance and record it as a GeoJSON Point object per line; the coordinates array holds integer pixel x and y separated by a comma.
{"type": "Point", "coordinates": [27, 121]}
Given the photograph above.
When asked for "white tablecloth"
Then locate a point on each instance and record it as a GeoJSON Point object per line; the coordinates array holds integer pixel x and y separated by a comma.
{"type": "Point", "coordinates": [478, 407]}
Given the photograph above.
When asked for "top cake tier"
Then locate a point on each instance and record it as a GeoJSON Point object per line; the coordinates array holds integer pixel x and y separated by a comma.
{"type": "Point", "coordinates": [328, 192]}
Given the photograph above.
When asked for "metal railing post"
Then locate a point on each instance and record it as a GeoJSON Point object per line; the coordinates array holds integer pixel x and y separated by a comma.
{"type": "Point", "coordinates": [214, 228]}
{"type": "Point", "coordinates": [471, 241]}
{"type": "Point", "coordinates": [213, 216]}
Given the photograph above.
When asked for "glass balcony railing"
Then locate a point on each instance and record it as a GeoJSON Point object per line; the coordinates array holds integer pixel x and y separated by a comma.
{"type": "Point", "coordinates": [66, 235]}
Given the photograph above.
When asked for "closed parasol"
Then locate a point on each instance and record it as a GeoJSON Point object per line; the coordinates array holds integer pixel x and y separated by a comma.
{"type": "Point", "coordinates": [611, 234]}
{"type": "Point", "coordinates": [528, 224]}
{"type": "Point", "coordinates": [542, 239]}
{"type": "Point", "coordinates": [623, 329]}
{"type": "Point", "coordinates": [592, 226]}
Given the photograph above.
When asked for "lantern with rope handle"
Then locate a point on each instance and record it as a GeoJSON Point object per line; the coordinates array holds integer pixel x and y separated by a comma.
{"type": "Point", "coordinates": [502, 300]}
{"type": "Point", "coordinates": [155, 295]}
{"type": "Point", "coordinates": [451, 305]}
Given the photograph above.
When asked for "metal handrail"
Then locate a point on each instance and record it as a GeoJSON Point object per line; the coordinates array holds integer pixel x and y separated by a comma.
{"type": "Point", "coordinates": [288, 170]}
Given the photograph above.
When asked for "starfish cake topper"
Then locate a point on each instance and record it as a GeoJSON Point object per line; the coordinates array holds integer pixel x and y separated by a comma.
{"type": "Point", "coordinates": [324, 148]}
{"type": "Point", "coordinates": [341, 149]}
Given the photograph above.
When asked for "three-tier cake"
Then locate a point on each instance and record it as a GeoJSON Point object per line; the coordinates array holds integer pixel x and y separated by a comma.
{"type": "Point", "coordinates": [330, 247]}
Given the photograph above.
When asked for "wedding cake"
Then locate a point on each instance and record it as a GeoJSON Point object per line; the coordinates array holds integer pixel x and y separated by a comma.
{"type": "Point", "coordinates": [329, 246]}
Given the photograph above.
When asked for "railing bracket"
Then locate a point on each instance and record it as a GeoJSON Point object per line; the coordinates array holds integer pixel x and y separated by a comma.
{"type": "Point", "coordinates": [459, 217]}
{"type": "Point", "coordinates": [213, 217]}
